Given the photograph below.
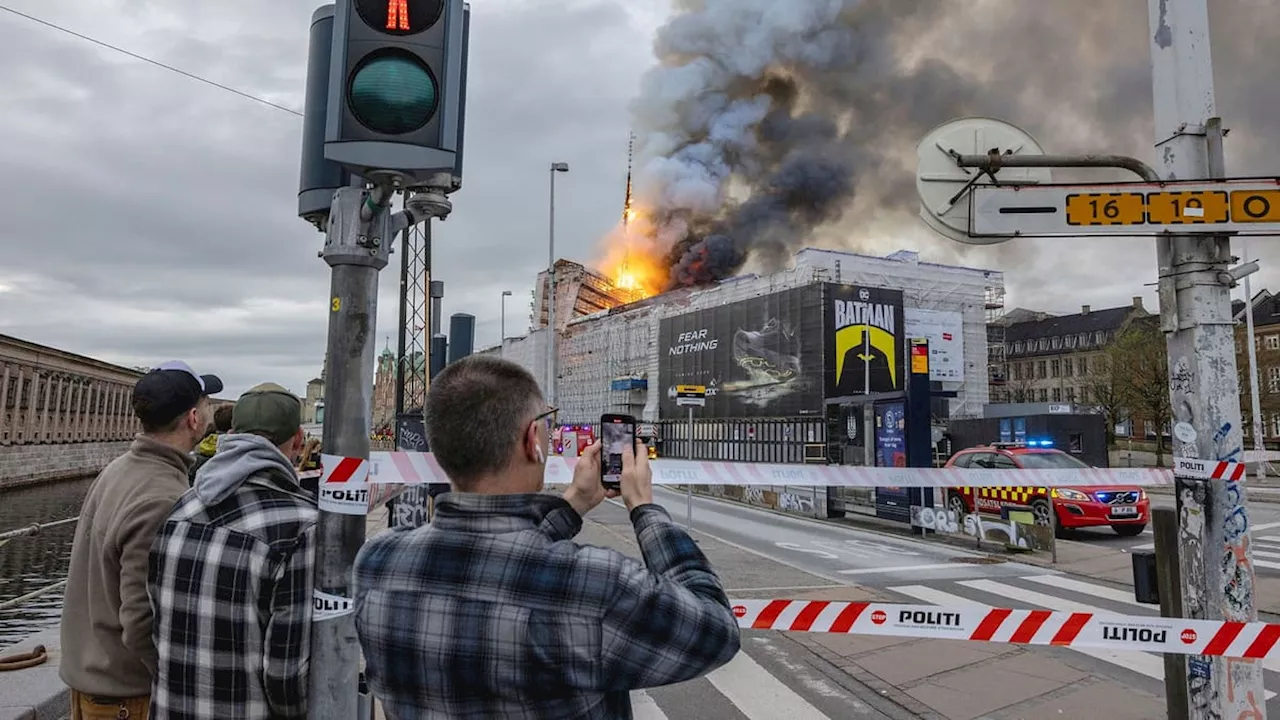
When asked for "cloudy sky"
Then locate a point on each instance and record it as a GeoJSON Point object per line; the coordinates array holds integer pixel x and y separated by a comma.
{"type": "Point", "coordinates": [149, 216]}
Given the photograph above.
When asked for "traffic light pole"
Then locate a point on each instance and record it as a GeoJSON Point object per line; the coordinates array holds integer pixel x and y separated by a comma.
{"type": "Point", "coordinates": [358, 241]}
{"type": "Point", "coordinates": [1195, 314]}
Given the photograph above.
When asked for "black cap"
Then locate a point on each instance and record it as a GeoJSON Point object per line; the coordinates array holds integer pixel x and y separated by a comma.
{"type": "Point", "coordinates": [170, 390]}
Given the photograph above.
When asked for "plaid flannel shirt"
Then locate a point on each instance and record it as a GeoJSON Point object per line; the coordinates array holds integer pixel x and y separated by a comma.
{"type": "Point", "coordinates": [231, 591]}
{"type": "Point", "coordinates": [493, 612]}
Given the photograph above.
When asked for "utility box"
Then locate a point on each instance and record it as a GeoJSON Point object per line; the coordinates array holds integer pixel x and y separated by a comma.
{"type": "Point", "coordinates": [1145, 588]}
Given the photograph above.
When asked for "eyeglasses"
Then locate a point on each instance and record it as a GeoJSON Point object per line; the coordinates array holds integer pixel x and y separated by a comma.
{"type": "Point", "coordinates": [549, 418]}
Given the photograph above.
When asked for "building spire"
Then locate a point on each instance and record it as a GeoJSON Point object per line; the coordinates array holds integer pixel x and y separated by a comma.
{"type": "Point", "coordinates": [626, 202]}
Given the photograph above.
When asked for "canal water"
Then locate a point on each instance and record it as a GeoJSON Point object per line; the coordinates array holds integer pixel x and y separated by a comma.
{"type": "Point", "coordinates": [32, 562]}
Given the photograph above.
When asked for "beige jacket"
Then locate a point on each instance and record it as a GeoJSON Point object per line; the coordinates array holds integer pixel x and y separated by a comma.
{"type": "Point", "coordinates": [106, 614]}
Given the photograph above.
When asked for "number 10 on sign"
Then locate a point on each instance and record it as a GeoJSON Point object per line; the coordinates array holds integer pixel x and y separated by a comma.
{"type": "Point", "coordinates": [1106, 209]}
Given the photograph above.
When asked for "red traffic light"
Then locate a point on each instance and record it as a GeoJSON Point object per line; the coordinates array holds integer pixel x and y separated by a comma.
{"type": "Point", "coordinates": [400, 17]}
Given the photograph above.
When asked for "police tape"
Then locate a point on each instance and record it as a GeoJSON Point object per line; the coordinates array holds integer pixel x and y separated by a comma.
{"type": "Point", "coordinates": [1255, 640]}
{"type": "Point", "coordinates": [354, 486]}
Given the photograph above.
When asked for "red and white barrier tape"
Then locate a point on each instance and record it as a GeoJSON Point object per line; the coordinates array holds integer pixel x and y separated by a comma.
{"type": "Point", "coordinates": [1028, 627]}
{"type": "Point", "coordinates": [413, 468]}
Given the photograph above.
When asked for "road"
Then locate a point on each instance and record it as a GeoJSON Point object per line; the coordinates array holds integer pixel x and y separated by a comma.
{"type": "Point", "coordinates": [907, 569]}
{"type": "Point", "coordinates": [1264, 526]}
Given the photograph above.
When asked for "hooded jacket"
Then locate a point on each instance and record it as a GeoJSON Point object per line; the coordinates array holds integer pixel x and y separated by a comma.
{"type": "Point", "coordinates": [235, 555]}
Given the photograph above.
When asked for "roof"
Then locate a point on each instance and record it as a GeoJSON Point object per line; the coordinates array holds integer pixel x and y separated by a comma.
{"type": "Point", "coordinates": [1107, 320]}
{"type": "Point", "coordinates": [1266, 311]}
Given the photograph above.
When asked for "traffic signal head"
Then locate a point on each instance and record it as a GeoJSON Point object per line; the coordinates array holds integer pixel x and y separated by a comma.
{"type": "Point", "coordinates": [395, 89]}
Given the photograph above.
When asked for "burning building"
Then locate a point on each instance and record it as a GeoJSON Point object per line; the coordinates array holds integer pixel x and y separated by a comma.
{"type": "Point", "coordinates": [771, 349]}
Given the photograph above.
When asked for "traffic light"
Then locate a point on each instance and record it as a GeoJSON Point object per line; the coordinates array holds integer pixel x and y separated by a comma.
{"type": "Point", "coordinates": [396, 89]}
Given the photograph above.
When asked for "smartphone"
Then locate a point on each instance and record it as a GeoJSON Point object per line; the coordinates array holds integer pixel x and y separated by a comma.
{"type": "Point", "coordinates": [616, 433]}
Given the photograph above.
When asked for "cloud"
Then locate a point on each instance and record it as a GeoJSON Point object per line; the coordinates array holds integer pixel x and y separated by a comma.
{"type": "Point", "coordinates": [149, 216]}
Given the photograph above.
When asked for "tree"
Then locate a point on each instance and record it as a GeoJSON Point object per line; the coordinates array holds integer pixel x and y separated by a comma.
{"type": "Point", "coordinates": [1020, 385]}
{"type": "Point", "coordinates": [1143, 382]}
{"type": "Point", "coordinates": [1106, 392]}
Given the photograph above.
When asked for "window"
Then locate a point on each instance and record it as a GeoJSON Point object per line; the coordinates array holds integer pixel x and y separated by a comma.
{"type": "Point", "coordinates": [1057, 394]}
{"type": "Point", "coordinates": [1027, 371]}
{"type": "Point", "coordinates": [1070, 342]}
{"type": "Point", "coordinates": [1084, 339]}
{"type": "Point", "coordinates": [1044, 395]}
{"type": "Point", "coordinates": [1017, 347]}
{"type": "Point", "coordinates": [1055, 368]}
{"type": "Point", "coordinates": [1056, 343]}
{"type": "Point", "coordinates": [1275, 425]}
{"type": "Point", "coordinates": [962, 460]}
{"type": "Point", "coordinates": [1049, 461]}
{"type": "Point", "coordinates": [1003, 462]}
{"type": "Point", "coordinates": [1084, 394]}
{"type": "Point", "coordinates": [1272, 342]}
{"type": "Point", "coordinates": [1017, 371]}
{"type": "Point", "coordinates": [1068, 367]}
{"type": "Point", "coordinates": [1043, 344]}
{"type": "Point", "coordinates": [1071, 394]}
{"type": "Point", "coordinates": [1273, 379]}
{"type": "Point", "coordinates": [1099, 338]}
{"type": "Point", "coordinates": [1040, 366]}
{"type": "Point", "coordinates": [1084, 366]}
{"type": "Point", "coordinates": [1075, 443]}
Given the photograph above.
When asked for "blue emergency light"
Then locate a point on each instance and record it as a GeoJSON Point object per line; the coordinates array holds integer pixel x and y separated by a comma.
{"type": "Point", "coordinates": [1039, 443]}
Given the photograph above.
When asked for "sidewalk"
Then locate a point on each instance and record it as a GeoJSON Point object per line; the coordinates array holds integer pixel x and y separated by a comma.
{"type": "Point", "coordinates": [938, 679]}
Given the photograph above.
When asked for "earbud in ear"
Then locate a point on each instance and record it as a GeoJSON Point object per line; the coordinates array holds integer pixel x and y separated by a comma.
{"type": "Point", "coordinates": [542, 457]}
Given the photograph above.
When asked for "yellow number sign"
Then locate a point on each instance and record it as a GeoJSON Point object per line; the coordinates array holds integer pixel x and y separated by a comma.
{"type": "Point", "coordinates": [1188, 208]}
{"type": "Point", "coordinates": [336, 305]}
{"type": "Point", "coordinates": [1106, 209]}
{"type": "Point", "coordinates": [1255, 206]}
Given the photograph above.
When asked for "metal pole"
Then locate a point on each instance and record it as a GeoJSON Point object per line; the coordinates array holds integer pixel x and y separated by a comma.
{"type": "Point", "coordinates": [401, 360]}
{"type": "Point", "coordinates": [1168, 581]}
{"type": "Point", "coordinates": [551, 293]}
{"type": "Point", "coordinates": [1195, 313]}
{"type": "Point", "coordinates": [502, 332]}
{"type": "Point", "coordinates": [1258, 444]}
{"type": "Point", "coordinates": [356, 248]}
{"type": "Point", "coordinates": [688, 489]}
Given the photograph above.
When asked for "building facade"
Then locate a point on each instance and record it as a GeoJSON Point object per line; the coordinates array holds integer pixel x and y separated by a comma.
{"type": "Point", "coordinates": [1060, 358]}
{"type": "Point", "coordinates": [1266, 338]}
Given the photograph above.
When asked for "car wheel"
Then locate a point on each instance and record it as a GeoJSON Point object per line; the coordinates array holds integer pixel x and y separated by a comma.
{"type": "Point", "coordinates": [955, 504]}
{"type": "Point", "coordinates": [1042, 511]}
{"type": "Point", "coordinates": [1128, 530]}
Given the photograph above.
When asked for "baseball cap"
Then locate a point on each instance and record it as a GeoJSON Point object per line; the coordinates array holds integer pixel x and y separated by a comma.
{"type": "Point", "coordinates": [269, 410]}
{"type": "Point", "coordinates": [170, 389]}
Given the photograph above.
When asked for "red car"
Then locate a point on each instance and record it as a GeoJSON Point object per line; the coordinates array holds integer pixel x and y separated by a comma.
{"type": "Point", "coordinates": [1125, 508]}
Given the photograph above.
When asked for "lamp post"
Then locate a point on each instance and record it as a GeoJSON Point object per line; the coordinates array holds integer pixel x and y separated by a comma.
{"type": "Point", "coordinates": [551, 286]}
{"type": "Point", "coordinates": [502, 339]}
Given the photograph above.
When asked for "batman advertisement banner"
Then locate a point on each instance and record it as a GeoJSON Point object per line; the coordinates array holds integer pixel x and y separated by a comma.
{"type": "Point", "coordinates": [864, 340]}
{"type": "Point", "coordinates": [758, 357]}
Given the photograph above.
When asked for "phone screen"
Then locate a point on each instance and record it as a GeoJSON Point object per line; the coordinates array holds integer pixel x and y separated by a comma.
{"type": "Point", "coordinates": [617, 434]}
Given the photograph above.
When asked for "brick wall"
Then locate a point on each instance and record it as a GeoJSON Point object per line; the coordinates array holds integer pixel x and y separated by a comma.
{"type": "Point", "coordinates": [30, 464]}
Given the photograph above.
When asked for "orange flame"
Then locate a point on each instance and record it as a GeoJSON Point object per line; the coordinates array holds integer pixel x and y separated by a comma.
{"type": "Point", "coordinates": [631, 263]}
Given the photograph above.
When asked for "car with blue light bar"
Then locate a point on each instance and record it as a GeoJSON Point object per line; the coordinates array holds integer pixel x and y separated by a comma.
{"type": "Point", "coordinates": [1126, 509]}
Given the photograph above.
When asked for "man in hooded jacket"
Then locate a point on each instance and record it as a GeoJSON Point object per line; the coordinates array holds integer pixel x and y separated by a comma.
{"type": "Point", "coordinates": [231, 575]}
{"type": "Point", "coordinates": [209, 445]}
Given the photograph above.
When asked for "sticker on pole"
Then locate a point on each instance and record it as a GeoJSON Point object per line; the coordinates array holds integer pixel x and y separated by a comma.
{"type": "Point", "coordinates": [1208, 469]}
{"type": "Point", "coordinates": [344, 486]}
{"type": "Point", "coordinates": [327, 607]}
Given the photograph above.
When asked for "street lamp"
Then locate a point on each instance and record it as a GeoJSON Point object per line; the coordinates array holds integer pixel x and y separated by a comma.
{"type": "Point", "coordinates": [551, 285]}
{"type": "Point", "coordinates": [502, 341]}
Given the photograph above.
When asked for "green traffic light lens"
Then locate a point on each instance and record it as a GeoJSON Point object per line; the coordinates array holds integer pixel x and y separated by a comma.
{"type": "Point", "coordinates": [393, 92]}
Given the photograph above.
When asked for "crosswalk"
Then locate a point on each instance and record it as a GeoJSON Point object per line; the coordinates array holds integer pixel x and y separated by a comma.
{"type": "Point", "coordinates": [767, 680]}
{"type": "Point", "coordinates": [1265, 546]}
{"type": "Point", "coordinates": [1067, 594]}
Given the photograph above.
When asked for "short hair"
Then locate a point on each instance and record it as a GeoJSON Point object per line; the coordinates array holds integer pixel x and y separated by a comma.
{"type": "Point", "coordinates": [222, 417]}
{"type": "Point", "coordinates": [476, 412]}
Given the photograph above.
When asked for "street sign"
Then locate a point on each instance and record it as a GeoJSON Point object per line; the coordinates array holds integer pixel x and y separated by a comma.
{"type": "Point", "coordinates": [943, 185]}
{"type": "Point", "coordinates": [691, 395]}
{"type": "Point", "coordinates": [1243, 207]}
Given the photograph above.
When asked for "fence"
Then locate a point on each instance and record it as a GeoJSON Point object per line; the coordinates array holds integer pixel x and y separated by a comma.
{"type": "Point", "coordinates": [769, 440]}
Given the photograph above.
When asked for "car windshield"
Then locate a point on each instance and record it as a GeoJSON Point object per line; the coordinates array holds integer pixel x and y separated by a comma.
{"type": "Point", "coordinates": [1048, 461]}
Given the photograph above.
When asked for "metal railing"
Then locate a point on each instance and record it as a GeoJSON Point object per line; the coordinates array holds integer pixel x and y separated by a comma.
{"type": "Point", "coordinates": [28, 531]}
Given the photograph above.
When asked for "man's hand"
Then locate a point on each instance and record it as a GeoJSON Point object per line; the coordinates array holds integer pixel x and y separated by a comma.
{"type": "Point", "coordinates": [586, 492]}
{"type": "Point", "coordinates": [637, 476]}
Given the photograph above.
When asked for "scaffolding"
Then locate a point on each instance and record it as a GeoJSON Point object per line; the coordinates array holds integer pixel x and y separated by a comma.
{"type": "Point", "coordinates": [997, 371]}
{"type": "Point", "coordinates": [599, 351]}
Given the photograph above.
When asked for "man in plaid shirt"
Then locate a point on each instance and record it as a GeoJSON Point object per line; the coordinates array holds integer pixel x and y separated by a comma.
{"type": "Point", "coordinates": [231, 575]}
{"type": "Point", "coordinates": [491, 611]}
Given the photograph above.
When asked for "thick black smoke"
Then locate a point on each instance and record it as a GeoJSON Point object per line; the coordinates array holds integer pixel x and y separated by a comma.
{"type": "Point", "coordinates": [765, 121]}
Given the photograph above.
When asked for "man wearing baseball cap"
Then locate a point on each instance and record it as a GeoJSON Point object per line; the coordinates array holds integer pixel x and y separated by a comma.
{"type": "Point", "coordinates": [108, 658]}
{"type": "Point", "coordinates": [232, 572]}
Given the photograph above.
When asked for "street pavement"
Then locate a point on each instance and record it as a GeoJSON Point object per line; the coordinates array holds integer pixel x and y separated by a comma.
{"type": "Point", "coordinates": [819, 676]}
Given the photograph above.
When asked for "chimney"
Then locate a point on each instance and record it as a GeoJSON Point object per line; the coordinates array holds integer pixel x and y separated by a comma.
{"type": "Point", "coordinates": [1084, 309]}
{"type": "Point", "coordinates": [1137, 302]}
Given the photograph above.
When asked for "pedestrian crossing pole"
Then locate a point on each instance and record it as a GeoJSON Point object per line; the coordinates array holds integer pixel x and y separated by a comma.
{"type": "Point", "coordinates": [1195, 315]}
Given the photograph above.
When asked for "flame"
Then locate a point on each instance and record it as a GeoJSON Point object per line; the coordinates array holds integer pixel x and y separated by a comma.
{"type": "Point", "coordinates": [631, 263]}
